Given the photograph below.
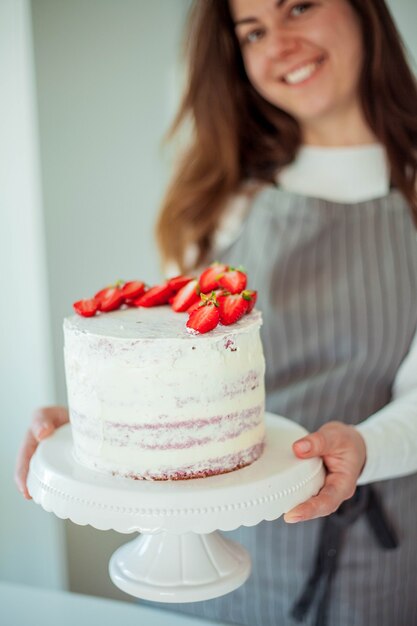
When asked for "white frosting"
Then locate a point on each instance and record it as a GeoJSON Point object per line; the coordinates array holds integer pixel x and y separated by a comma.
{"type": "Point", "coordinates": [148, 399]}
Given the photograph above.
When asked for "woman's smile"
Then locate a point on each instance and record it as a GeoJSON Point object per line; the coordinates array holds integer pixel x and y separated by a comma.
{"type": "Point", "coordinates": [301, 74]}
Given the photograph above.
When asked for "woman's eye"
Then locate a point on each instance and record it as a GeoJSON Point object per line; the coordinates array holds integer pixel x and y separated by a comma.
{"type": "Point", "coordinates": [300, 8]}
{"type": "Point", "coordinates": [253, 36]}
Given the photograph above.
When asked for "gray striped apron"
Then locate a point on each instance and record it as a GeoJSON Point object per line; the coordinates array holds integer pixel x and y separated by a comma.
{"type": "Point", "coordinates": [337, 286]}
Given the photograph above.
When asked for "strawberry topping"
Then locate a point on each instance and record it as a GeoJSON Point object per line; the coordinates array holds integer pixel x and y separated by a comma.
{"type": "Point", "coordinates": [155, 296]}
{"type": "Point", "coordinates": [86, 308]}
{"type": "Point", "coordinates": [186, 296]}
{"type": "Point", "coordinates": [232, 307]}
{"type": "Point", "coordinates": [234, 280]}
{"type": "Point", "coordinates": [209, 279]}
{"type": "Point", "coordinates": [251, 297]}
{"type": "Point", "coordinates": [132, 290]}
{"type": "Point", "coordinates": [204, 318]}
{"type": "Point", "coordinates": [109, 299]}
{"type": "Point", "coordinates": [194, 306]}
{"type": "Point", "coordinates": [178, 282]}
{"type": "Point", "coordinates": [102, 294]}
{"type": "Point", "coordinates": [218, 296]}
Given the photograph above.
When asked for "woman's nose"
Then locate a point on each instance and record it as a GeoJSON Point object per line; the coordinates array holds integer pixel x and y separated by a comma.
{"type": "Point", "coordinates": [280, 44]}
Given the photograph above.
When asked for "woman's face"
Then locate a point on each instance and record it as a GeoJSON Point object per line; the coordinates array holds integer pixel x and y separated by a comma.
{"type": "Point", "coordinates": [303, 57]}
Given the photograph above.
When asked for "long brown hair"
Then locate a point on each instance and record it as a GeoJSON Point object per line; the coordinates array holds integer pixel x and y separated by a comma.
{"type": "Point", "coordinates": [237, 135]}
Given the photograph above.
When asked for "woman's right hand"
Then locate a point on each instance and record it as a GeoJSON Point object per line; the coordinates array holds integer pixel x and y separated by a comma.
{"type": "Point", "coordinates": [45, 421]}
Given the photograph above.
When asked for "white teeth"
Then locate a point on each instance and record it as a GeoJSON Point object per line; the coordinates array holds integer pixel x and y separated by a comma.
{"type": "Point", "coordinates": [300, 74]}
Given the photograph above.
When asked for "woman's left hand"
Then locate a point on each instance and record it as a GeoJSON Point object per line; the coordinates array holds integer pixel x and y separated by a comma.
{"type": "Point", "coordinates": [343, 452]}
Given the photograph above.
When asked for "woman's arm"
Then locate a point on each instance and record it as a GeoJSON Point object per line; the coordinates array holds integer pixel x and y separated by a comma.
{"type": "Point", "coordinates": [391, 434]}
{"type": "Point", "coordinates": [383, 446]}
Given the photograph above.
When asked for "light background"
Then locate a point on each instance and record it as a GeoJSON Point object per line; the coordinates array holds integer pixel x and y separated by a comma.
{"type": "Point", "coordinates": [88, 90]}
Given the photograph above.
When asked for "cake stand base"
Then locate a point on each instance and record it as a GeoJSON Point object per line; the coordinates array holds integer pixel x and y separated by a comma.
{"type": "Point", "coordinates": [214, 565]}
{"type": "Point", "coordinates": [179, 557]}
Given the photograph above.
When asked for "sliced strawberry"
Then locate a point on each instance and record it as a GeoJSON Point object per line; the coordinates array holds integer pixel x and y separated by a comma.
{"type": "Point", "coordinates": [155, 296]}
{"type": "Point", "coordinates": [109, 299]}
{"type": "Point", "coordinates": [209, 279]}
{"type": "Point", "coordinates": [233, 280]}
{"type": "Point", "coordinates": [133, 289]}
{"type": "Point", "coordinates": [178, 282]}
{"type": "Point", "coordinates": [216, 293]}
{"type": "Point", "coordinates": [232, 308]}
{"type": "Point", "coordinates": [194, 306]}
{"type": "Point", "coordinates": [204, 299]}
{"type": "Point", "coordinates": [86, 308]}
{"type": "Point", "coordinates": [186, 296]}
{"type": "Point", "coordinates": [204, 318]}
{"type": "Point", "coordinates": [251, 297]}
{"type": "Point", "coordinates": [102, 294]}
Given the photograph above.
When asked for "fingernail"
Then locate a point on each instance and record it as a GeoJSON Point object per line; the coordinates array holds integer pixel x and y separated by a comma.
{"type": "Point", "coordinates": [293, 519]}
{"type": "Point", "coordinates": [304, 446]}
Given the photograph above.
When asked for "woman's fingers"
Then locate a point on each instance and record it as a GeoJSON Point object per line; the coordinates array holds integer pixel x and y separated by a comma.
{"type": "Point", "coordinates": [341, 446]}
{"type": "Point", "coordinates": [337, 488]}
{"type": "Point", "coordinates": [22, 463]}
{"type": "Point", "coordinates": [343, 451]}
{"type": "Point", "coordinates": [320, 443]}
{"type": "Point", "coordinates": [47, 419]}
{"type": "Point", "coordinates": [44, 422]}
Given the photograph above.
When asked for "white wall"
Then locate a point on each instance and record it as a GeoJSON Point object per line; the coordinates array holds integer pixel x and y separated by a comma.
{"type": "Point", "coordinates": [405, 15]}
{"type": "Point", "coordinates": [28, 537]}
{"type": "Point", "coordinates": [108, 83]}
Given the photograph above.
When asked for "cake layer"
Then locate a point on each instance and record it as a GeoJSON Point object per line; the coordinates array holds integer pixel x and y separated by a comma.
{"type": "Point", "coordinates": [149, 400]}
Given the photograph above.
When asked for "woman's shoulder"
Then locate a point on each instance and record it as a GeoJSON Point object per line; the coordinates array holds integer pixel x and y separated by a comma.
{"type": "Point", "coordinates": [228, 229]}
{"type": "Point", "coordinates": [235, 213]}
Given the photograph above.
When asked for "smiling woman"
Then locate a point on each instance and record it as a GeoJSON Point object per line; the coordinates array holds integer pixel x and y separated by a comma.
{"type": "Point", "coordinates": [306, 59]}
{"type": "Point", "coordinates": [240, 135]}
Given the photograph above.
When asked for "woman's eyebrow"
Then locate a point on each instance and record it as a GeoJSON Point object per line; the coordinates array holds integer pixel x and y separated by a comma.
{"type": "Point", "coordinates": [250, 20]}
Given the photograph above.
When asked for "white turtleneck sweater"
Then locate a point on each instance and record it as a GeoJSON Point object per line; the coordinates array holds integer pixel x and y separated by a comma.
{"type": "Point", "coordinates": [359, 173]}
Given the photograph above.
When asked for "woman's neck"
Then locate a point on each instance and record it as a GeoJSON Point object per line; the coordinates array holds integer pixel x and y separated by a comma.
{"type": "Point", "coordinates": [343, 128]}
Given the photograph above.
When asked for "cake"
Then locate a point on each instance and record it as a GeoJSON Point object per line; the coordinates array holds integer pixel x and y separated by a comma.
{"type": "Point", "coordinates": [149, 400]}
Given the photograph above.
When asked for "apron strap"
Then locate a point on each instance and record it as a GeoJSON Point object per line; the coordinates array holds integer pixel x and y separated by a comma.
{"type": "Point", "coordinates": [333, 530]}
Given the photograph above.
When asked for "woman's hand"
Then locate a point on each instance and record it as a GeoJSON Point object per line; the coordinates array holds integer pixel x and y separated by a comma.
{"type": "Point", "coordinates": [45, 421]}
{"type": "Point", "coordinates": [343, 451]}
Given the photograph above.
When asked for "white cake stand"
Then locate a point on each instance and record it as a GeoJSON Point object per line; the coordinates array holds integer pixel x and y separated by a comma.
{"type": "Point", "coordinates": [179, 556]}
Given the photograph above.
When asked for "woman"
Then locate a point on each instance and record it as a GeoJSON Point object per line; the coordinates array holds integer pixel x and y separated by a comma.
{"type": "Point", "coordinates": [307, 110]}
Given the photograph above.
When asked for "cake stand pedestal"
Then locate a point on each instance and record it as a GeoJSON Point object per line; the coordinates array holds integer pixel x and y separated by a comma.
{"type": "Point", "coordinates": [179, 556]}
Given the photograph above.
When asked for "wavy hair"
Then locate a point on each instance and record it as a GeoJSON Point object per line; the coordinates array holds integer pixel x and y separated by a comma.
{"type": "Point", "coordinates": [237, 135]}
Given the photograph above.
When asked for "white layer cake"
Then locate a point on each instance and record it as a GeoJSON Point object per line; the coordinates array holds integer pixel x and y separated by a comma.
{"type": "Point", "coordinates": [147, 399]}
